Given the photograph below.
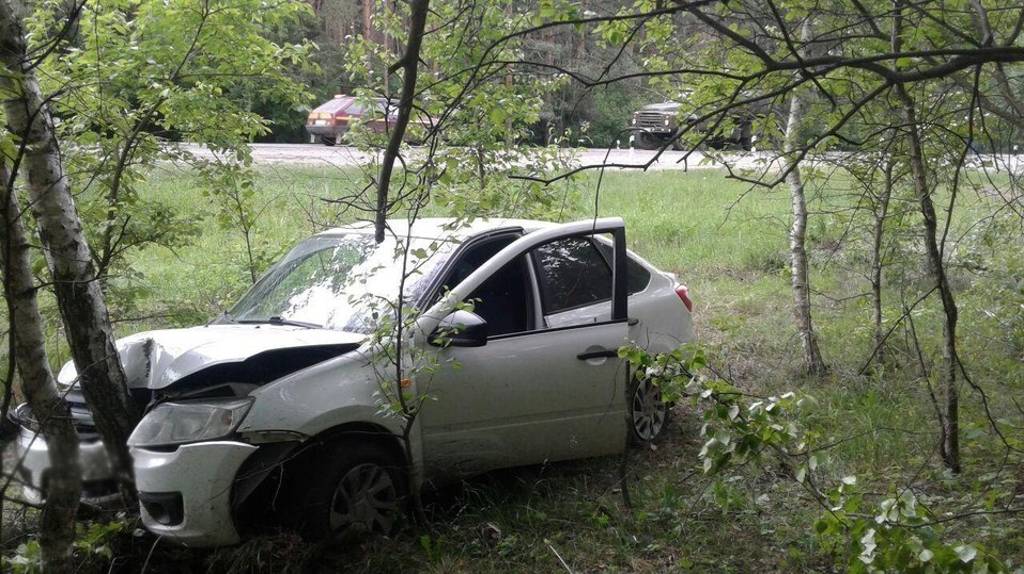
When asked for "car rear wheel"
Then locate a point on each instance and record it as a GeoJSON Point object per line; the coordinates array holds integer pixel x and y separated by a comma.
{"type": "Point", "coordinates": [648, 413]}
{"type": "Point", "coordinates": [329, 141]}
{"type": "Point", "coordinates": [347, 488]}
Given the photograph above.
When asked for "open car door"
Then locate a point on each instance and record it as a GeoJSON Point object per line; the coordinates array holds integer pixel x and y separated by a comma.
{"type": "Point", "coordinates": [545, 383]}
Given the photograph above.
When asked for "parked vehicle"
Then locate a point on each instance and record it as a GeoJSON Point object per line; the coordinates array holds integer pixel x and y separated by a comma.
{"type": "Point", "coordinates": [276, 405]}
{"type": "Point", "coordinates": [330, 121]}
{"type": "Point", "coordinates": [655, 125]}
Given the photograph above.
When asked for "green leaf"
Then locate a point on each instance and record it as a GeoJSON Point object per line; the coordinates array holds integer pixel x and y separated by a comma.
{"type": "Point", "coordinates": [820, 526]}
{"type": "Point", "coordinates": [966, 552]}
{"type": "Point", "coordinates": [734, 412]}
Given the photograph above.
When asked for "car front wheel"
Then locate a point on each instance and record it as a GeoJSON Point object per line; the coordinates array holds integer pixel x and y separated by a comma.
{"type": "Point", "coordinates": [648, 413]}
{"type": "Point", "coordinates": [345, 488]}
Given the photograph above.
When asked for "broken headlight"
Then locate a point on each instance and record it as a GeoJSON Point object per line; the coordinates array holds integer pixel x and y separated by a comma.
{"type": "Point", "coordinates": [179, 423]}
{"type": "Point", "coordinates": [22, 415]}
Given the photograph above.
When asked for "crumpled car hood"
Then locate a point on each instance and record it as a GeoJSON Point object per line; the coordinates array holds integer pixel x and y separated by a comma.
{"type": "Point", "coordinates": [157, 359]}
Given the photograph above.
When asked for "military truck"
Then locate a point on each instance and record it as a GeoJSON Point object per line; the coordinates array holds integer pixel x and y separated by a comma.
{"type": "Point", "coordinates": [655, 125]}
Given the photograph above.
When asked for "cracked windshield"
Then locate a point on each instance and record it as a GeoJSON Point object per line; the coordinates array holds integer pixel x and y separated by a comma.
{"type": "Point", "coordinates": [337, 282]}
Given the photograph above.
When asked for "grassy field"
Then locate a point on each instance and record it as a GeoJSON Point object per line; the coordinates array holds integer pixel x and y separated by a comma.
{"type": "Point", "coordinates": [733, 255]}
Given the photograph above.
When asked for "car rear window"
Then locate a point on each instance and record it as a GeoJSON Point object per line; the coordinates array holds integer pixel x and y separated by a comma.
{"type": "Point", "coordinates": [572, 273]}
{"type": "Point", "coordinates": [334, 105]}
{"type": "Point", "coordinates": [356, 109]}
{"type": "Point", "coordinates": [375, 109]}
{"type": "Point", "coordinates": [639, 276]}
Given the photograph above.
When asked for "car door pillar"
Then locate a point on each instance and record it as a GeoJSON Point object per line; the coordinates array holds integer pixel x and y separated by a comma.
{"type": "Point", "coordinates": [620, 276]}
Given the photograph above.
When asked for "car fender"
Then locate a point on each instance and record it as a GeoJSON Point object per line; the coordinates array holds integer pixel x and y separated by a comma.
{"type": "Point", "coordinates": [663, 323]}
{"type": "Point", "coordinates": [320, 398]}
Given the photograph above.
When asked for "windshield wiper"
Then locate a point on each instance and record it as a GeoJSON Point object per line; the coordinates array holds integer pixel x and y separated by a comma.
{"type": "Point", "coordinates": [224, 317]}
{"type": "Point", "coordinates": [278, 320]}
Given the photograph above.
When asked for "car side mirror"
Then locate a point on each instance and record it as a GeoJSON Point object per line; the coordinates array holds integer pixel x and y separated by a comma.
{"type": "Point", "coordinates": [460, 329]}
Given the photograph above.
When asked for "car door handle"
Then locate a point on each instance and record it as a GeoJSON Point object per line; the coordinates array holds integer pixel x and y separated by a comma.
{"type": "Point", "coordinates": [602, 354]}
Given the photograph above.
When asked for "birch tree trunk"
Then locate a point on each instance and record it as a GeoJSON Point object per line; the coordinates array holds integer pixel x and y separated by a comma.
{"type": "Point", "coordinates": [812, 360]}
{"type": "Point", "coordinates": [78, 292]}
{"type": "Point", "coordinates": [64, 479]}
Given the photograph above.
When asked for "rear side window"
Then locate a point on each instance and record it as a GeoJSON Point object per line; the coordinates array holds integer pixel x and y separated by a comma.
{"type": "Point", "coordinates": [639, 276]}
{"type": "Point", "coordinates": [572, 273]}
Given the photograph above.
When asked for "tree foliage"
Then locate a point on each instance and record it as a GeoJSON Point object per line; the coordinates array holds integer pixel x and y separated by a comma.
{"type": "Point", "coordinates": [891, 532]}
{"type": "Point", "coordinates": [132, 77]}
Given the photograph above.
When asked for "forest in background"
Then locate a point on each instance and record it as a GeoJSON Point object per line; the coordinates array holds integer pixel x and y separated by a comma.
{"type": "Point", "coordinates": [595, 117]}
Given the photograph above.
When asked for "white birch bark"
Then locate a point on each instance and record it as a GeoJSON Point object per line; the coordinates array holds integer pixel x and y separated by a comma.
{"type": "Point", "coordinates": [64, 481]}
{"type": "Point", "coordinates": [812, 360]}
{"type": "Point", "coordinates": [70, 261]}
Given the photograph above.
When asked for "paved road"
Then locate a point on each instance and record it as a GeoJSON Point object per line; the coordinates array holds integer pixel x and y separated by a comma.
{"type": "Point", "coordinates": [342, 156]}
{"type": "Point", "coordinates": [316, 154]}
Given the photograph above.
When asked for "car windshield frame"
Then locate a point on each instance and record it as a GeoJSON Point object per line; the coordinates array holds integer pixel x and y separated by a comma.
{"type": "Point", "coordinates": [343, 295]}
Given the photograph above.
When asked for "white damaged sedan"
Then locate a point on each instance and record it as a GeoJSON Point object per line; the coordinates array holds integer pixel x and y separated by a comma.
{"type": "Point", "coordinates": [272, 413]}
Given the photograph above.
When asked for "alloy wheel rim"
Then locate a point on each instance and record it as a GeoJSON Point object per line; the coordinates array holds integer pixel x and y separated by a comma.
{"type": "Point", "coordinates": [365, 498]}
{"type": "Point", "coordinates": [648, 411]}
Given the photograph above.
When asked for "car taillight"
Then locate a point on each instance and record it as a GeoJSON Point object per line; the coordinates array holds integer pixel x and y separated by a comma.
{"type": "Point", "coordinates": [684, 295]}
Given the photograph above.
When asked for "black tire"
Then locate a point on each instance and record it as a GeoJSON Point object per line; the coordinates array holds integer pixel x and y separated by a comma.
{"type": "Point", "coordinates": [329, 141]}
{"type": "Point", "coordinates": [315, 504]}
{"type": "Point", "coordinates": [648, 414]}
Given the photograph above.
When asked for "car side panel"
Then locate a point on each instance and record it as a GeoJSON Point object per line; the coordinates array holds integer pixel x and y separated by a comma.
{"type": "Point", "coordinates": [663, 322]}
{"type": "Point", "coordinates": [335, 392]}
{"type": "Point", "coordinates": [526, 399]}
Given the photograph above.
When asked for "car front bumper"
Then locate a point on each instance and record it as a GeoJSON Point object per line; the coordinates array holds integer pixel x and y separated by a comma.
{"type": "Point", "coordinates": [186, 493]}
{"type": "Point", "coordinates": [327, 130]}
{"type": "Point", "coordinates": [658, 130]}
{"type": "Point", "coordinates": [98, 483]}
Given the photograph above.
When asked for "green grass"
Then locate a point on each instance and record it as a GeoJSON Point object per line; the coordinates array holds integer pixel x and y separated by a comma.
{"type": "Point", "coordinates": [692, 223]}
{"type": "Point", "coordinates": [729, 244]}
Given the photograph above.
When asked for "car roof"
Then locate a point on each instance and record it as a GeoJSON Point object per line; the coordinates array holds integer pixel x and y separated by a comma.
{"type": "Point", "coordinates": [444, 228]}
{"type": "Point", "coordinates": [342, 102]}
{"type": "Point", "coordinates": [335, 104]}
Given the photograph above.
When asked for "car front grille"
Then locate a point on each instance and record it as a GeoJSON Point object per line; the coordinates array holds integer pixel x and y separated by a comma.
{"type": "Point", "coordinates": [650, 120]}
{"type": "Point", "coordinates": [81, 416]}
